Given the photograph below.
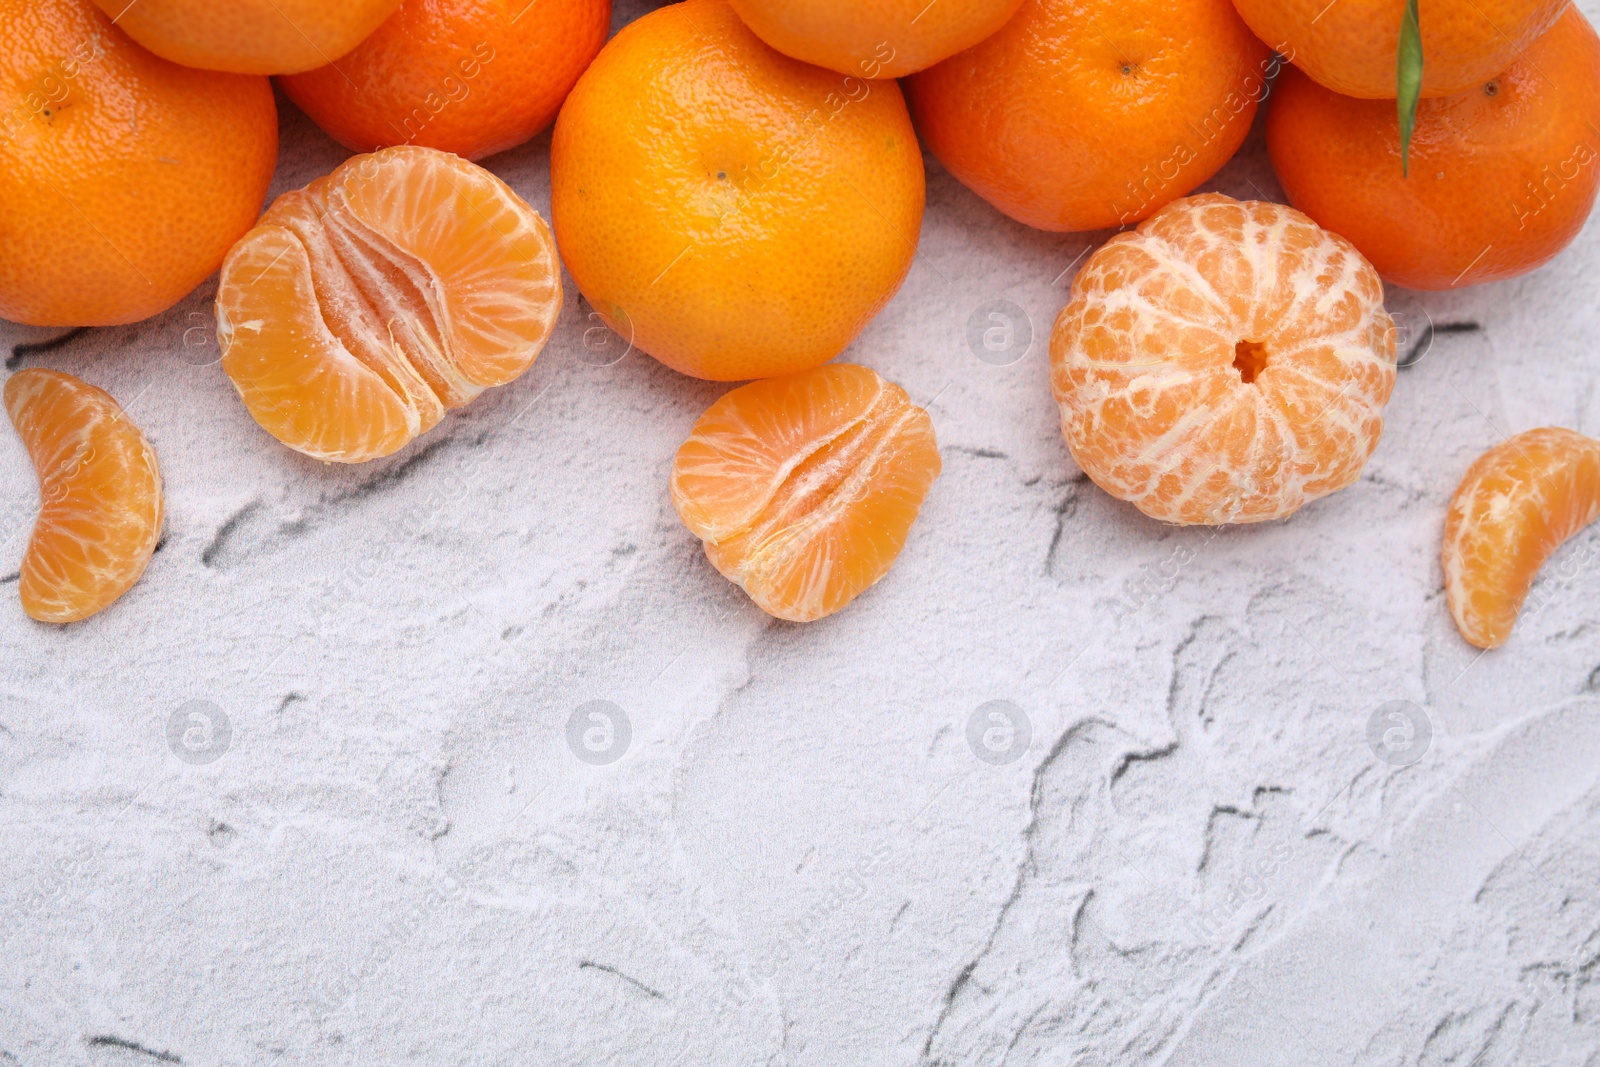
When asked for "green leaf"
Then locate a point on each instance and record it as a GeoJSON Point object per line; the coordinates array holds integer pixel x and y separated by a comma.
{"type": "Point", "coordinates": [1409, 81]}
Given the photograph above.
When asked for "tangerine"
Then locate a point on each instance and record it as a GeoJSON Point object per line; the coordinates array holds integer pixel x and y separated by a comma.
{"type": "Point", "coordinates": [804, 487]}
{"type": "Point", "coordinates": [366, 304]}
{"type": "Point", "coordinates": [1352, 46]}
{"type": "Point", "coordinates": [473, 77]}
{"type": "Point", "coordinates": [1086, 114]}
{"type": "Point", "coordinates": [1226, 362]}
{"type": "Point", "coordinates": [874, 38]}
{"type": "Point", "coordinates": [123, 177]}
{"type": "Point", "coordinates": [731, 211]}
{"type": "Point", "coordinates": [249, 36]}
{"type": "Point", "coordinates": [100, 495]}
{"type": "Point", "coordinates": [1502, 177]}
{"type": "Point", "coordinates": [1515, 506]}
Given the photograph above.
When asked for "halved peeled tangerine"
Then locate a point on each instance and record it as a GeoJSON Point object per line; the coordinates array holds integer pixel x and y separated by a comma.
{"type": "Point", "coordinates": [1516, 505]}
{"type": "Point", "coordinates": [365, 305]}
{"type": "Point", "coordinates": [100, 496]}
{"type": "Point", "coordinates": [804, 487]}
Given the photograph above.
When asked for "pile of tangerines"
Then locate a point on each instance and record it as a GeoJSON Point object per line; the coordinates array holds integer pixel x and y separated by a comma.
{"type": "Point", "coordinates": [738, 188]}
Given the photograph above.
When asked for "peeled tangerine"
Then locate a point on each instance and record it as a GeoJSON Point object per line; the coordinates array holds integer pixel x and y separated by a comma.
{"type": "Point", "coordinates": [100, 496]}
{"type": "Point", "coordinates": [1516, 506]}
{"type": "Point", "coordinates": [1227, 362]}
{"type": "Point", "coordinates": [363, 306]}
{"type": "Point", "coordinates": [804, 488]}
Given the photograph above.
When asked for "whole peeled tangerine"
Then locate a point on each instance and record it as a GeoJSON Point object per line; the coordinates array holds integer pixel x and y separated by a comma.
{"type": "Point", "coordinates": [1226, 362]}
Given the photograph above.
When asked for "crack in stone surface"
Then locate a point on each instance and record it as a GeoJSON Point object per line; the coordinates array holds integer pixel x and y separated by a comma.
{"type": "Point", "coordinates": [628, 979]}
{"type": "Point", "coordinates": [230, 525]}
{"type": "Point", "coordinates": [21, 352]}
{"type": "Point", "coordinates": [1025, 870]}
{"type": "Point", "coordinates": [112, 1041]}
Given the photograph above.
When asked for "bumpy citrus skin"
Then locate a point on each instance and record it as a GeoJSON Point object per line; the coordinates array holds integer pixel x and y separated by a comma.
{"type": "Point", "coordinates": [1516, 505]}
{"type": "Point", "coordinates": [731, 211]}
{"type": "Point", "coordinates": [249, 36]}
{"type": "Point", "coordinates": [1088, 114]}
{"type": "Point", "coordinates": [1352, 46]}
{"type": "Point", "coordinates": [100, 496]}
{"type": "Point", "coordinates": [874, 38]}
{"type": "Point", "coordinates": [367, 304]}
{"type": "Point", "coordinates": [473, 77]}
{"type": "Point", "coordinates": [1502, 178]}
{"type": "Point", "coordinates": [1226, 362]}
{"type": "Point", "coordinates": [123, 177]}
{"type": "Point", "coordinates": [804, 487]}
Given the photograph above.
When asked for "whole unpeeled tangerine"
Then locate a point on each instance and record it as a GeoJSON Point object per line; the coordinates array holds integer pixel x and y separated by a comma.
{"type": "Point", "coordinates": [1088, 114]}
{"type": "Point", "coordinates": [249, 36]}
{"type": "Point", "coordinates": [1352, 46]}
{"type": "Point", "coordinates": [124, 178]}
{"type": "Point", "coordinates": [874, 38]}
{"type": "Point", "coordinates": [472, 77]}
{"type": "Point", "coordinates": [1502, 177]}
{"type": "Point", "coordinates": [731, 211]}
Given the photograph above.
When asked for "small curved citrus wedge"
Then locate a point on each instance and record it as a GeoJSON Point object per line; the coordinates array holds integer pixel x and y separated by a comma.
{"type": "Point", "coordinates": [363, 306]}
{"type": "Point", "coordinates": [1517, 504]}
{"type": "Point", "coordinates": [100, 495]}
{"type": "Point", "coordinates": [804, 487]}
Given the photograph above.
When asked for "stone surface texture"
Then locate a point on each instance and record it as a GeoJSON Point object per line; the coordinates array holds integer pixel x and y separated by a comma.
{"type": "Point", "coordinates": [403, 847]}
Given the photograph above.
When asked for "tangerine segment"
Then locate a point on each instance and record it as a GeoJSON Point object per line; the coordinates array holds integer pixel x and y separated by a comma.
{"type": "Point", "coordinates": [1226, 362]}
{"type": "Point", "coordinates": [365, 305]}
{"type": "Point", "coordinates": [804, 488]}
{"type": "Point", "coordinates": [100, 495]}
{"type": "Point", "coordinates": [1516, 505]}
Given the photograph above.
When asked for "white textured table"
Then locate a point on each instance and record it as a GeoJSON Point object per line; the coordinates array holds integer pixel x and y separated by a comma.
{"type": "Point", "coordinates": [393, 854]}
